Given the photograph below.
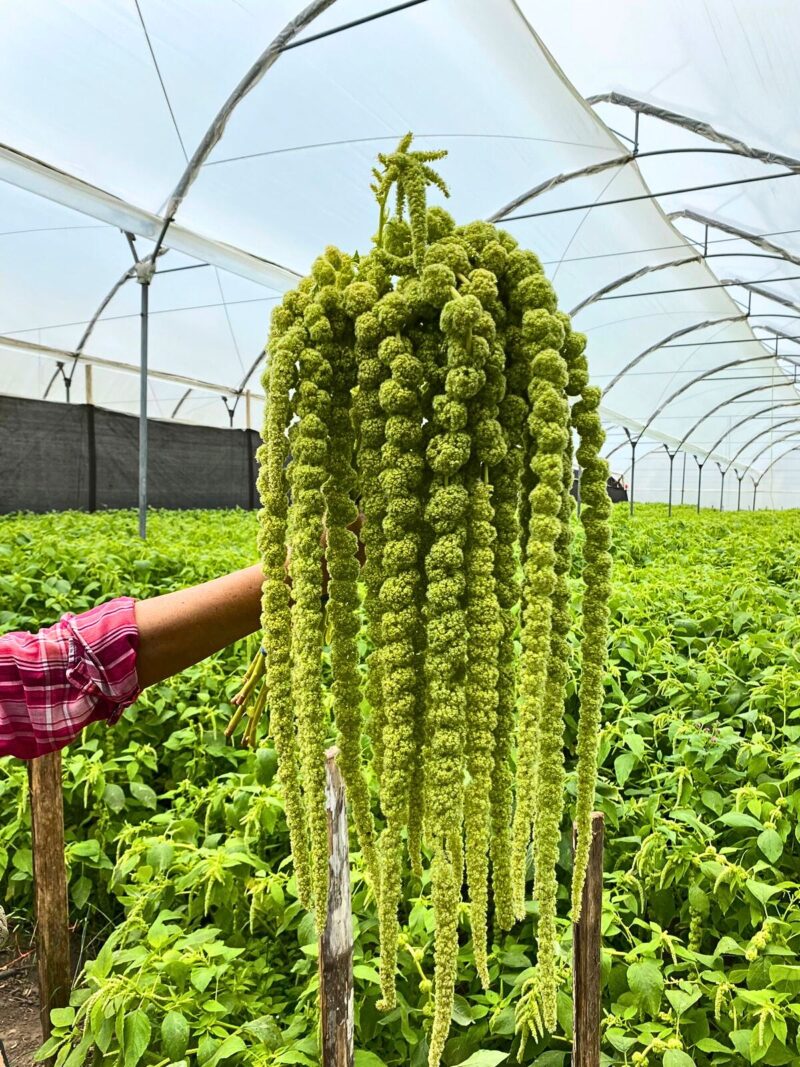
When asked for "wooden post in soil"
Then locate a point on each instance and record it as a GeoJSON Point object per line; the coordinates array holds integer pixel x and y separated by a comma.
{"type": "Point", "coordinates": [50, 885]}
{"type": "Point", "coordinates": [586, 957]}
{"type": "Point", "coordinates": [336, 940]}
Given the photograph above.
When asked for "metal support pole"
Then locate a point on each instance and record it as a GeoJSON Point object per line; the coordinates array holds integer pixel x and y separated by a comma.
{"type": "Point", "coordinates": [144, 274]}
{"type": "Point", "coordinates": [722, 485]}
{"type": "Point", "coordinates": [739, 478]}
{"type": "Point", "coordinates": [634, 441]}
{"type": "Point", "coordinates": [672, 456]}
{"type": "Point", "coordinates": [699, 479]}
{"type": "Point", "coordinates": [755, 490]}
{"type": "Point", "coordinates": [683, 479]}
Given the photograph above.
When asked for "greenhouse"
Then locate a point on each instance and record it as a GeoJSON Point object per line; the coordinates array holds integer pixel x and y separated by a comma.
{"type": "Point", "coordinates": [398, 644]}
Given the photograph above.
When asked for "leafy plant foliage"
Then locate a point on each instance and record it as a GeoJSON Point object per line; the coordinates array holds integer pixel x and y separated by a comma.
{"type": "Point", "coordinates": [180, 883]}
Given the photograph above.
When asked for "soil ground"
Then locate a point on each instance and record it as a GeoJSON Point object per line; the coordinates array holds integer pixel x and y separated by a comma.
{"type": "Point", "coordinates": [20, 1030]}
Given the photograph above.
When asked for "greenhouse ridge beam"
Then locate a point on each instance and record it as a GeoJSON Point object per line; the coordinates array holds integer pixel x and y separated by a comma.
{"type": "Point", "coordinates": [707, 374]}
{"type": "Point", "coordinates": [770, 429]}
{"type": "Point", "coordinates": [724, 284]}
{"type": "Point", "coordinates": [696, 126]}
{"type": "Point", "coordinates": [735, 231]}
{"type": "Point", "coordinates": [747, 418]}
{"type": "Point", "coordinates": [790, 435]}
{"type": "Point", "coordinates": [651, 196]}
{"type": "Point", "coordinates": [783, 455]}
{"type": "Point", "coordinates": [39, 178]}
{"type": "Point", "coordinates": [598, 168]}
{"type": "Point", "coordinates": [47, 351]}
{"type": "Point", "coordinates": [765, 293]}
{"type": "Point", "coordinates": [625, 278]}
{"type": "Point", "coordinates": [665, 341]}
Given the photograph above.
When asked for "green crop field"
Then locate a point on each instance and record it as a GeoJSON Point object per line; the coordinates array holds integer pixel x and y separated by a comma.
{"type": "Point", "coordinates": [195, 949]}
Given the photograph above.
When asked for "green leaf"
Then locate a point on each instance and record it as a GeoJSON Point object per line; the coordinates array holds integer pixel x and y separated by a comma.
{"type": "Point", "coordinates": [144, 794]}
{"type": "Point", "coordinates": [759, 1048]}
{"type": "Point", "coordinates": [484, 1058]}
{"type": "Point", "coordinates": [504, 1023]}
{"type": "Point", "coordinates": [681, 1001]}
{"type": "Point", "coordinates": [266, 1030]}
{"type": "Point", "coordinates": [784, 972]}
{"type": "Point", "coordinates": [160, 855]}
{"type": "Point", "coordinates": [740, 820]}
{"type": "Point", "coordinates": [366, 973]}
{"type": "Point", "coordinates": [674, 1057]}
{"type": "Point", "coordinates": [200, 977]}
{"type": "Point", "coordinates": [62, 1016]}
{"type": "Point", "coordinates": [646, 982]}
{"type": "Point", "coordinates": [85, 850]}
{"type": "Point", "coordinates": [771, 844]}
{"type": "Point", "coordinates": [266, 765]}
{"type": "Point", "coordinates": [740, 1039]}
{"type": "Point", "coordinates": [699, 900]}
{"type": "Point", "coordinates": [634, 742]}
{"type": "Point", "coordinates": [307, 931]}
{"type": "Point", "coordinates": [728, 946]}
{"type": "Point", "coordinates": [461, 1012]}
{"type": "Point", "coordinates": [53, 1044]}
{"type": "Point", "coordinates": [175, 1034]}
{"type": "Point", "coordinates": [367, 1059]}
{"type": "Point", "coordinates": [136, 1033]}
{"type": "Point", "coordinates": [229, 1047]}
{"type": "Point", "coordinates": [114, 797]}
{"type": "Point", "coordinates": [713, 801]}
{"type": "Point", "coordinates": [623, 765]}
{"type": "Point", "coordinates": [760, 890]}
{"type": "Point", "coordinates": [101, 966]}
{"type": "Point", "coordinates": [710, 1044]}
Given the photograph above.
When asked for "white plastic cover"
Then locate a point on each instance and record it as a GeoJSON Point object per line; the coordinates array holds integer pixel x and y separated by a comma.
{"type": "Point", "coordinates": [110, 98]}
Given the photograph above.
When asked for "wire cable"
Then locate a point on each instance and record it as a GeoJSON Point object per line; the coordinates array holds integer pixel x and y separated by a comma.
{"type": "Point", "coordinates": [161, 80]}
{"type": "Point", "coordinates": [650, 196]}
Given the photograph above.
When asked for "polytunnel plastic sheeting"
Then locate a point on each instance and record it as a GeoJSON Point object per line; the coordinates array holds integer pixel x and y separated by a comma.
{"type": "Point", "coordinates": [728, 62]}
{"type": "Point", "coordinates": [290, 175]}
{"type": "Point", "coordinates": [308, 134]}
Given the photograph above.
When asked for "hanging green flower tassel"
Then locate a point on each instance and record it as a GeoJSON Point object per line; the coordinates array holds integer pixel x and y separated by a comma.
{"type": "Point", "coordinates": [595, 513]}
{"type": "Point", "coordinates": [425, 389]}
{"type": "Point", "coordinates": [343, 619]}
{"type": "Point", "coordinates": [286, 343]}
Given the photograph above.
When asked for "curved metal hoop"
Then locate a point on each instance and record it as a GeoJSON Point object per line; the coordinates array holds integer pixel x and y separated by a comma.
{"type": "Point", "coordinates": [733, 400]}
{"type": "Point", "coordinates": [665, 341]}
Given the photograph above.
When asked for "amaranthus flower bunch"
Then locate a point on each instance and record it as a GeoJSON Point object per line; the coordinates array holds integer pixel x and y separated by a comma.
{"type": "Point", "coordinates": [429, 389]}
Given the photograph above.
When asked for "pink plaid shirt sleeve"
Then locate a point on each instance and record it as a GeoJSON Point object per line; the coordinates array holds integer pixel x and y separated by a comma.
{"type": "Point", "coordinates": [55, 682]}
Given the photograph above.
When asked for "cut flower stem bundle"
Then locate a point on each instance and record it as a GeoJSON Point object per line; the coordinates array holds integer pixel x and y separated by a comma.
{"type": "Point", "coordinates": [432, 385]}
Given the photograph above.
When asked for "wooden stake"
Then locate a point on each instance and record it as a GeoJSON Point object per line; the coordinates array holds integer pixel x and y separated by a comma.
{"type": "Point", "coordinates": [586, 957]}
{"type": "Point", "coordinates": [50, 885]}
{"type": "Point", "coordinates": [336, 940]}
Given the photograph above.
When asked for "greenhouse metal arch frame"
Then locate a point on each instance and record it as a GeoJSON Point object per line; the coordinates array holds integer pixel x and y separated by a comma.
{"type": "Point", "coordinates": [625, 164]}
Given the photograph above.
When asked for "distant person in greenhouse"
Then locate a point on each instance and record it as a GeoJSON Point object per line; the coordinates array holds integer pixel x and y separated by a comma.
{"type": "Point", "coordinates": [92, 666]}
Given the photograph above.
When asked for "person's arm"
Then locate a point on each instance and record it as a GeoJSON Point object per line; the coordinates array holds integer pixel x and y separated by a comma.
{"type": "Point", "coordinates": [181, 628]}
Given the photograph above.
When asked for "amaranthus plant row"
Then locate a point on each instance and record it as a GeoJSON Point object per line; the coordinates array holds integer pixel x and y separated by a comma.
{"type": "Point", "coordinates": [421, 400]}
